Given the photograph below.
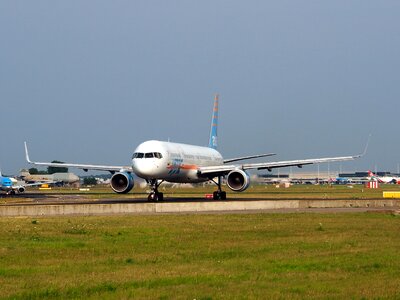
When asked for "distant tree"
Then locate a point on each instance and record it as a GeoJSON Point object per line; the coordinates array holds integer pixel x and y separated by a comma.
{"type": "Point", "coordinates": [89, 181]}
{"type": "Point", "coordinates": [33, 171]}
{"type": "Point", "coordinates": [52, 170]}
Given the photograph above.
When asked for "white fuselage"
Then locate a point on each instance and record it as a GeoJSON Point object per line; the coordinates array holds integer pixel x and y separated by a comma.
{"type": "Point", "coordinates": [383, 179]}
{"type": "Point", "coordinates": [386, 179]}
{"type": "Point", "coordinates": [173, 162]}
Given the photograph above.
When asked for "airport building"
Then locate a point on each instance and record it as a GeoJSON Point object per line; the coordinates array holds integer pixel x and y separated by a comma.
{"type": "Point", "coordinates": [319, 177]}
{"type": "Point", "coordinates": [300, 178]}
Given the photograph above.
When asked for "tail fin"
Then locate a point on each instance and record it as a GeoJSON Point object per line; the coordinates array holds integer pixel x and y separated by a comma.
{"type": "Point", "coordinates": [213, 142]}
{"type": "Point", "coordinates": [370, 173]}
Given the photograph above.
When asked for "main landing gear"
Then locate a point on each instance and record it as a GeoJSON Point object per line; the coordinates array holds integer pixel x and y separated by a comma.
{"type": "Point", "coordinates": [220, 194]}
{"type": "Point", "coordinates": [155, 195]}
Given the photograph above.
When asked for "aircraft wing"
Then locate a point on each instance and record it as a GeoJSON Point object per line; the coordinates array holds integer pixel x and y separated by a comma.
{"type": "Point", "coordinates": [225, 169]}
{"type": "Point", "coordinates": [247, 157]}
{"type": "Point", "coordinates": [18, 186]}
{"type": "Point", "coordinates": [38, 183]}
{"type": "Point", "coordinates": [84, 167]}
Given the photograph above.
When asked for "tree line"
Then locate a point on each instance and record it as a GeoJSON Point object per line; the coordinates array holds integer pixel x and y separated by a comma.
{"type": "Point", "coordinates": [50, 170]}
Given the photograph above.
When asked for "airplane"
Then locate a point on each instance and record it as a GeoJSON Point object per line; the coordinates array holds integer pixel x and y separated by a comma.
{"type": "Point", "coordinates": [59, 178]}
{"type": "Point", "coordinates": [347, 180]}
{"type": "Point", "coordinates": [383, 179]}
{"type": "Point", "coordinates": [11, 187]}
{"type": "Point", "coordinates": [159, 161]}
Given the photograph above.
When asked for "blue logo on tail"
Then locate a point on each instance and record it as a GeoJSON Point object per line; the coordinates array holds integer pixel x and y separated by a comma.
{"type": "Point", "coordinates": [213, 142]}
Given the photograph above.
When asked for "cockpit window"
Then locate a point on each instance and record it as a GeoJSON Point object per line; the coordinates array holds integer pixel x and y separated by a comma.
{"type": "Point", "coordinates": [147, 155]}
{"type": "Point", "coordinates": [137, 155]}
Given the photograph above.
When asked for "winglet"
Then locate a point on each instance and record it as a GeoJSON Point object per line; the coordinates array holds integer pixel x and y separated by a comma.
{"type": "Point", "coordinates": [27, 154]}
{"type": "Point", "coordinates": [366, 146]}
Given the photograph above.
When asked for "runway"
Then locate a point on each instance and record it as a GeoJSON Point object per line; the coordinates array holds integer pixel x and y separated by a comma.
{"type": "Point", "coordinates": [69, 205]}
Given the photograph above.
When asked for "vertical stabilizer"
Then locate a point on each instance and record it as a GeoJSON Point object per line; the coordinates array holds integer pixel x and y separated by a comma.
{"type": "Point", "coordinates": [213, 142]}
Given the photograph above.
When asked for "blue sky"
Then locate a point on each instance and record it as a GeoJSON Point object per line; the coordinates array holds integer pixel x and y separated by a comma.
{"type": "Point", "coordinates": [87, 81]}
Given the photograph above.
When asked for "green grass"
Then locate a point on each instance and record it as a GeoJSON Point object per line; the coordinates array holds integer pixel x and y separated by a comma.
{"type": "Point", "coordinates": [239, 256]}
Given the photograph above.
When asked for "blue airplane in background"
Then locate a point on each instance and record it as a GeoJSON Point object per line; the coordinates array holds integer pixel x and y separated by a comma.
{"type": "Point", "coordinates": [11, 187]}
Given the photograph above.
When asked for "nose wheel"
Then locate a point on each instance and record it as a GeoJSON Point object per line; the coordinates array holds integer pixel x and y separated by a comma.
{"type": "Point", "coordinates": [155, 195]}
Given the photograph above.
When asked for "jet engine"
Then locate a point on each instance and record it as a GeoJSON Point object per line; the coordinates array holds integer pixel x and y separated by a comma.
{"type": "Point", "coordinates": [122, 182]}
{"type": "Point", "coordinates": [238, 180]}
{"type": "Point", "coordinates": [21, 189]}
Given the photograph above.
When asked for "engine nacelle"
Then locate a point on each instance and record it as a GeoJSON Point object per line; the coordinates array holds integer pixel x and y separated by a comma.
{"type": "Point", "coordinates": [21, 189]}
{"type": "Point", "coordinates": [238, 180]}
{"type": "Point", "coordinates": [122, 182]}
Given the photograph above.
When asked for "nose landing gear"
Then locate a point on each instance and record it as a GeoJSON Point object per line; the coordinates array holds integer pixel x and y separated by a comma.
{"type": "Point", "coordinates": [155, 195]}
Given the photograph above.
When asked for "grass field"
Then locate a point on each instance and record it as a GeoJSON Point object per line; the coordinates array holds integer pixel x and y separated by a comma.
{"type": "Point", "coordinates": [239, 256]}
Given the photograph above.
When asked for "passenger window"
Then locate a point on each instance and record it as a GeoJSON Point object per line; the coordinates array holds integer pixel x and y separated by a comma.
{"type": "Point", "coordinates": [149, 155]}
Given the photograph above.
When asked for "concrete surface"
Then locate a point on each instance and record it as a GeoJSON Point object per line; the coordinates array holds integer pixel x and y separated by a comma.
{"type": "Point", "coordinates": [189, 207]}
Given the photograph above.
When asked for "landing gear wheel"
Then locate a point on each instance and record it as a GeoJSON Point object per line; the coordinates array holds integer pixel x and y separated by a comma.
{"type": "Point", "coordinates": [219, 195]}
{"type": "Point", "coordinates": [160, 196]}
{"type": "Point", "coordinates": [223, 195]}
{"type": "Point", "coordinates": [215, 196]}
{"type": "Point", "coordinates": [154, 197]}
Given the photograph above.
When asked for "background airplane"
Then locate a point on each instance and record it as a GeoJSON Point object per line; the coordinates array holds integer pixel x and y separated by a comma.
{"type": "Point", "coordinates": [158, 161]}
{"type": "Point", "coordinates": [11, 187]}
{"type": "Point", "coordinates": [61, 178]}
{"type": "Point", "coordinates": [383, 179]}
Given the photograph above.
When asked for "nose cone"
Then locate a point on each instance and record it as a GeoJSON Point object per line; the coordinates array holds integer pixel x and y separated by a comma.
{"type": "Point", "coordinates": [146, 168]}
{"type": "Point", "coordinates": [7, 182]}
{"type": "Point", "coordinates": [147, 159]}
